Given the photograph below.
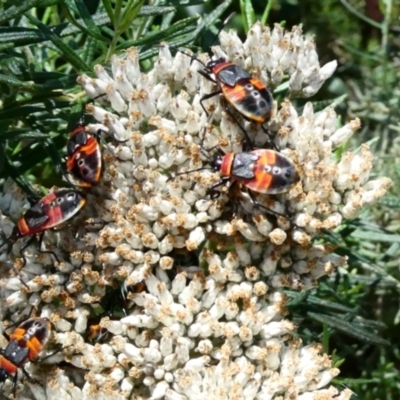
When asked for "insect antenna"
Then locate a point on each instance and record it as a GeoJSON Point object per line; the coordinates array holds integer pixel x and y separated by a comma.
{"type": "Point", "coordinates": [189, 172]}
{"type": "Point", "coordinates": [194, 58]}
{"type": "Point", "coordinates": [226, 21]}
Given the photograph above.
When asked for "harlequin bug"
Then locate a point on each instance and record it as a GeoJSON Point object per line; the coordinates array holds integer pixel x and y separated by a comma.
{"type": "Point", "coordinates": [260, 171]}
{"type": "Point", "coordinates": [25, 344]}
{"type": "Point", "coordinates": [49, 212]}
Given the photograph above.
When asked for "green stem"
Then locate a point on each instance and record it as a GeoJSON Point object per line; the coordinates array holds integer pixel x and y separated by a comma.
{"type": "Point", "coordinates": [266, 12]}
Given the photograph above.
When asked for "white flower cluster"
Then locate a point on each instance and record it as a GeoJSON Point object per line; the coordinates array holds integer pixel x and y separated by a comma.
{"type": "Point", "coordinates": [210, 319]}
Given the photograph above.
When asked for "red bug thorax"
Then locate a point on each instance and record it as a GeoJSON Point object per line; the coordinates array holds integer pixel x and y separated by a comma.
{"type": "Point", "coordinates": [215, 66]}
{"type": "Point", "coordinates": [224, 164]}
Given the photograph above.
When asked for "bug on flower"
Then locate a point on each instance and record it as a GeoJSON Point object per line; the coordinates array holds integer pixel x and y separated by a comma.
{"type": "Point", "coordinates": [114, 305]}
{"type": "Point", "coordinates": [84, 162]}
{"type": "Point", "coordinates": [260, 171]}
{"type": "Point", "coordinates": [25, 344]}
{"type": "Point", "coordinates": [245, 93]}
{"type": "Point", "coordinates": [49, 212]}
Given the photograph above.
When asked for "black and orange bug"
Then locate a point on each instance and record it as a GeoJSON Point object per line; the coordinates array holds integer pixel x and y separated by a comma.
{"type": "Point", "coordinates": [245, 93]}
{"type": "Point", "coordinates": [25, 344]}
{"type": "Point", "coordinates": [49, 212]}
{"type": "Point", "coordinates": [262, 171]}
{"type": "Point", "coordinates": [84, 162]}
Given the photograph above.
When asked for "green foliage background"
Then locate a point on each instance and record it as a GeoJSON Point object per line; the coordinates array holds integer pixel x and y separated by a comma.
{"type": "Point", "coordinates": [46, 44]}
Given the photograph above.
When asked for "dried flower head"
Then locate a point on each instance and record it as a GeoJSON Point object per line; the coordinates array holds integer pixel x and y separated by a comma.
{"type": "Point", "coordinates": [199, 274]}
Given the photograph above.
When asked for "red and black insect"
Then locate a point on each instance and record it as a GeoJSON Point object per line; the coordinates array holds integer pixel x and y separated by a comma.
{"type": "Point", "coordinates": [84, 160]}
{"type": "Point", "coordinates": [49, 212]}
{"type": "Point", "coordinates": [25, 344]}
{"type": "Point", "coordinates": [245, 93]}
{"type": "Point", "coordinates": [260, 171]}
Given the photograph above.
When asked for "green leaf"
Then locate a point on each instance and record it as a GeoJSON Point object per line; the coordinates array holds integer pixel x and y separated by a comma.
{"type": "Point", "coordinates": [248, 14]}
{"type": "Point", "coordinates": [391, 201]}
{"type": "Point", "coordinates": [10, 171]}
{"type": "Point", "coordinates": [89, 27]}
{"type": "Point", "coordinates": [265, 15]}
{"type": "Point", "coordinates": [212, 17]}
{"type": "Point", "coordinates": [184, 38]}
{"type": "Point", "coordinates": [109, 9]}
{"type": "Point", "coordinates": [70, 54]}
{"type": "Point", "coordinates": [186, 2]}
{"type": "Point", "coordinates": [17, 36]}
{"type": "Point", "coordinates": [348, 328]}
{"type": "Point", "coordinates": [158, 36]}
{"type": "Point", "coordinates": [130, 13]}
{"type": "Point", "coordinates": [16, 11]}
{"type": "Point", "coordinates": [301, 297]}
{"type": "Point", "coordinates": [375, 236]}
{"type": "Point", "coordinates": [19, 135]}
{"type": "Point", "coordinates": [12, 81]}
{"type": "Point", "coordinates": [149, 11]}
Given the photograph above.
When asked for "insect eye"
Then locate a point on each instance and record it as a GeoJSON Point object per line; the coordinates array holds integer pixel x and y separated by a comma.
{"type": "Point", "coordinates": [256, 93]}
{"type": "Point", "coordinates": [59, 200]}
{"type": "Point", "coordinates": [249, 86]}
{"type": "Point", "coordinates": [81, 162]}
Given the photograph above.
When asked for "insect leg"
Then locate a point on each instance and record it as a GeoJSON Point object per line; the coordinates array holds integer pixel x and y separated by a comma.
{"type": "Point", "coordinates": [246, 135]}
{"type": "Point", "coordinates": [14, 384]}
{"type": "Point", "coordinates": [206, 97]}
{"type": "Point", "coordinates": [214, 194]}
{"type": "Point", "coordinates": [111, 136]}
{"type": "Point", "coordinates": [30, 379]}
{"type": "Point", "coordinates": [24, 247]}
{"type": "Point", "coordinates": [268, 133]}
{"type": "Point", "coordinates": [269, 210]}
{"type": "Point", "coordinates": [46, 251]}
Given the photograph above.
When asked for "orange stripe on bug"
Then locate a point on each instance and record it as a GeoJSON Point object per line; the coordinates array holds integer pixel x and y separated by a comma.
{"type": "Point", "coordinates": [262, 171]}
{"type": "Point", "coordinates": [25, 344]}
{"type": "Point", "coordinates": [49, 212]}
{"type": "Point", "coordinates": [84, 160]}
